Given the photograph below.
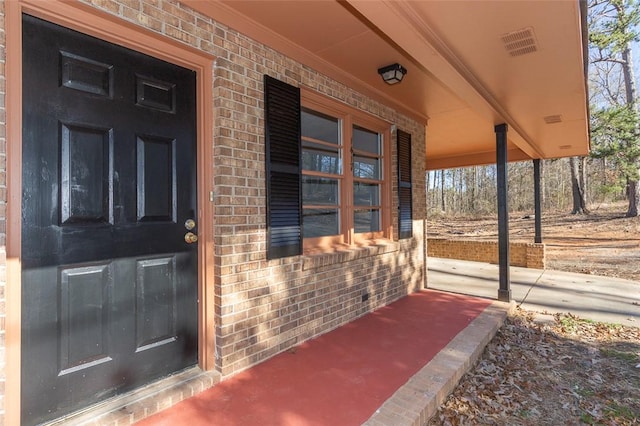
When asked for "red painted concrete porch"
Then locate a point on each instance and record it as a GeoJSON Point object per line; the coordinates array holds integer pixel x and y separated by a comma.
{"type": "Point", "coordinates": [393, 366]}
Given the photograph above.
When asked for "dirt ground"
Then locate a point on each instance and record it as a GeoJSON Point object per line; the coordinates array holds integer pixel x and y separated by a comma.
{"type": "Point", "coordinates": [551, 370]}
{"type": "Point", "coordinates": [555, 370]}
{"type": "Point", "coordinates": [601, 243]}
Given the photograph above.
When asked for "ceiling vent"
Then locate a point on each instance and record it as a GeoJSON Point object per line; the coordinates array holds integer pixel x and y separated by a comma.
{"type": "Point", "coordinates": [553, 119]}
{"type": "Point", "coordinates": [520, 42]}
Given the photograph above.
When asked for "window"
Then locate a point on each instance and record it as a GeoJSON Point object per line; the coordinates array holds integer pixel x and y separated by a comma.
{"type": "Point", "coordinates": [345, 174]}
{"type": "Point", "coordinates": [366, 159]}
{"type": "Point", "coordinates": [322, 172]}
{"type": "Point", "coordinates": [328, 173]}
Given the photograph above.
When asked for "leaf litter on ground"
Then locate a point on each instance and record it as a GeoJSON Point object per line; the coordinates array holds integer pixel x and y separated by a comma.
{"type": "Point", "coordinates": [566, 372]}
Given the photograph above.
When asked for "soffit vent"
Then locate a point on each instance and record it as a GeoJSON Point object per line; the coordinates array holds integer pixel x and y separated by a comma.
{"type": "Point", "coordinates": [520, 42]}
{"type": "Point", "coordinates": [553, 119]}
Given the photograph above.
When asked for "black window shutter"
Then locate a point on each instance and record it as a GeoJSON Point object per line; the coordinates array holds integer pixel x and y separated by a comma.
{"type": "Point", "coordinates": [282, 139]}
{"type": "Point", "coordinates": [405, 215]}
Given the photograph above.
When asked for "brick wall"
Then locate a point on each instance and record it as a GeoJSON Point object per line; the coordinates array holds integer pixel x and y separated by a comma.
{"type": "Point", "coordinates": [264, 307]}
{"type": "Point", "coordinates": [528, 255]}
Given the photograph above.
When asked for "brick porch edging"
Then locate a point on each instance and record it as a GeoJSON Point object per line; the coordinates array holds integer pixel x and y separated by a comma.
{"type": "Point", "coordinates": [418, 400]}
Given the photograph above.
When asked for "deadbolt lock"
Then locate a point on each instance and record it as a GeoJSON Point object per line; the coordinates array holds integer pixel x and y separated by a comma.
{"type": "Point", "coordinates": [189, 224]}
{"type": "Point", "coordinates": [190, 238]}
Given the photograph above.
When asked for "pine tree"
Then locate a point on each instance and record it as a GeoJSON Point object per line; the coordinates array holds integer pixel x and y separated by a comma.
{"type": "Point", "coordinates": [615, 118]}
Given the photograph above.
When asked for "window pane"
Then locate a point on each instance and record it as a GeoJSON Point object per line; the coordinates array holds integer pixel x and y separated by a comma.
{"type": "Point", "coordinates": [320, 158]}
{"type": "Point", "coordinates": [367, 220]}
{"type": "Point", "coordinates": [320, 126]}
{"type": "Point", "coordinates": [366, 140]}
{"type": "Point", "coordinates": [366, 168]}
{"type": "Point", "coordinates": [320, 222]}
{"type": "Point", "coordinates": [321, 191]}
{"type": "Point", "coordinates": [366, 194]}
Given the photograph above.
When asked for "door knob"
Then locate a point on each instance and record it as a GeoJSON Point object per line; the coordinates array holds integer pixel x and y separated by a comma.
{"type": "Point", "coordinates": [190, 238]}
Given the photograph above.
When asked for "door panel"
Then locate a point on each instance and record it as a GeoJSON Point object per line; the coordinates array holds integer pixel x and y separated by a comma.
{"type": "Point", "coordinates": [156, 179]}
{"type": "Point", "coordinates": [85, 174]}
{"type": "Point", "coordinates": [156, 303]}
{"type": "Point", "coordinates": [86, 74]}
{"type": "Point", "coordinates": [108, 282]}
{"type": "Point", "coordinates": [155, 94]}
{"type": "Point", "coordinates": [85, 294]}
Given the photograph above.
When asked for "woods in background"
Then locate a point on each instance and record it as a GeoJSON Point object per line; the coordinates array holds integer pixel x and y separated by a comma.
{"type": "Point", "coordinates": [614, 30]}
{"type": "Point", "coordinates": [472, 190]}
{"type": "Point", "coordinates": [611, 173]}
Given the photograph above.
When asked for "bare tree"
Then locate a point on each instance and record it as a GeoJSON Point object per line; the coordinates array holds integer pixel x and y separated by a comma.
{"type": "Point", "coordinates": [578, 185]}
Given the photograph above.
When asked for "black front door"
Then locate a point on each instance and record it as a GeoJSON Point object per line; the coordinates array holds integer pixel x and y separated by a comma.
{"type": "Point", "coordinates": [108, 279]}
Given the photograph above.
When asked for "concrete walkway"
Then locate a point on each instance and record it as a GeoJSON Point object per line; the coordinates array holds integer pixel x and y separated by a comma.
{"type": "Point", "coordinates": [611, 300]}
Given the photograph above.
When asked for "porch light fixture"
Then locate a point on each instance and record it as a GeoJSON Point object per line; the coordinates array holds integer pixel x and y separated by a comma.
{"type": "Point", "coordinates": [392, 74]}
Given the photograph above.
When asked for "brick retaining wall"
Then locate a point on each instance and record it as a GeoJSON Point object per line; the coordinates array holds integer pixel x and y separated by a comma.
{"type": "Point", "coordinates": [528, 255]}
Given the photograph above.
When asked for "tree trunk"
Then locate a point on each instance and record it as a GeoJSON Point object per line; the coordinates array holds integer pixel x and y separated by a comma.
{"type": "Point", "coordinates": [582, 175]}
{"type": "Point", "coordinates": [632, 102]}
{"type": "Point", "coordinates": [442, 190]}
{"type": "Point", "coordinates": [629, 78]}
{"type": "Point", "coordinates": [579, 204]}
{"type": "Point", "coordinates": [633, 191]}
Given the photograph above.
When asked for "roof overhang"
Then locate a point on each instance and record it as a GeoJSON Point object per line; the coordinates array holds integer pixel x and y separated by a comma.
{"type": "Point", "coordinates": [465, 74]}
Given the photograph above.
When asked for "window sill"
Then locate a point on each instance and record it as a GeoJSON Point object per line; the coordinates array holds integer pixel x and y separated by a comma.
{"type": "Point", "coordinates": [317, 258]}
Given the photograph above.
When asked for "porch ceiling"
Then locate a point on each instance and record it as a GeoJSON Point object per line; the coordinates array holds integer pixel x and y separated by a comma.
{"type": "Point", "coordinates": [461, 78]}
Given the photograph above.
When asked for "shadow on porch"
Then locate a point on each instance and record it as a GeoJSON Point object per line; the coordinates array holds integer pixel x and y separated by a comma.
{"type": "Point", "coordinates": [393, 366]}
